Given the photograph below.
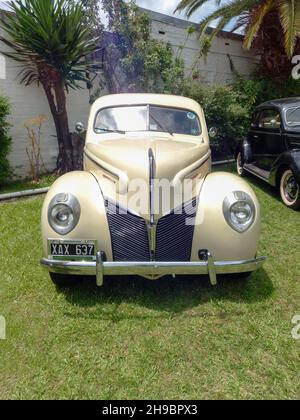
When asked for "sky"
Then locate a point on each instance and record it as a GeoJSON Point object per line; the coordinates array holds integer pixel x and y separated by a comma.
{"type": "Point", "coordinates": [167, 7]}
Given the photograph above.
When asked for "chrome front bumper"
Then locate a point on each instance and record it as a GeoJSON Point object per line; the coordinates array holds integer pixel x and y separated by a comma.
{"type": "Point", "coordinates": [152, 270]}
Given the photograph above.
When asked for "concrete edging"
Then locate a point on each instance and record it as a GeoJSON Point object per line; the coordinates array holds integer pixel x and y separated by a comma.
{"type": "Point", "coordinates": [223, 162]}
{"type": "Point", "coordinates": [20, 194]}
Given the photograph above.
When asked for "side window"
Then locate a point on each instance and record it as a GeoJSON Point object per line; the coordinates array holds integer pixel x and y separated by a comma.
{"type": "Point", "coordinates": [254, 121]}
{"type": "Point", "coordinates": [270, 119]}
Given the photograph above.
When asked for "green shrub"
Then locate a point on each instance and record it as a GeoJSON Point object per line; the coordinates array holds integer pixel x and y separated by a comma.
{"type": "Point", "coordinates": [5, 140]}
{"type": "Point", "coordinates": [259, 90]}
{"type": "Point", "coordinates": [226, 109]}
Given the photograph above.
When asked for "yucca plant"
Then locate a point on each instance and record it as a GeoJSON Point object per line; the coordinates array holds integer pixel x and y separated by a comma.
{"type": "Point", "coordinates": [250, 15]}
{"type": "Point", "coordinates": [50, 42]}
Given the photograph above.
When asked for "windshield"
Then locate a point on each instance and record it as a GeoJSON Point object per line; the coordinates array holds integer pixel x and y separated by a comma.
{"type": "Point", "coordinates": [292, 116]}
{"type": "Point", "coordinates": [147, 118]}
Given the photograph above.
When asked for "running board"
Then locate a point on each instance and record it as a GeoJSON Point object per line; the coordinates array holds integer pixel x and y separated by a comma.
{"type": "Point", "coordinates": [254, 170]}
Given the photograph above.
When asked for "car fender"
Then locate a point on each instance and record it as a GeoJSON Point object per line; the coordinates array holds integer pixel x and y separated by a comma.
{"type": "Point", "coordinates": [289, 159]}
{"type": "Point", "coordinates": [212, 232]}
{"type": "Point", "coordinates": [93, 224]}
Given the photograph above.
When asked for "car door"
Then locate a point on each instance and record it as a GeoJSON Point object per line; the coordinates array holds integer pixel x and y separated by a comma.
{"type": "Point", "coordinates": [292, 121]}
{"type": "Point", "coordinates": [269, 142]}
{"type": "Point", "coordinates": [253, 136]}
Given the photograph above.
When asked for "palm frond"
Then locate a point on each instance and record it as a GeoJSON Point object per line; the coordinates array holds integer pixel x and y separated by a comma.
{"type": "Point", "coordinates": [257, 16]}
{"type": "Point", "coordinates": [190, 6]}
{"type": "Point", "coordinates": [226, 14]}
{"type": "Point", "coordinates": [290, 19]}
{"type": "Point", "coordinates": [250, 15]}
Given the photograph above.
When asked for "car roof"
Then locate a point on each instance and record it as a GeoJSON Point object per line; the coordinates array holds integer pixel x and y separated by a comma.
{"type": "Point", "coordinates": [283, 103]}
{"type": "Point", "coordinates": [124, 99]}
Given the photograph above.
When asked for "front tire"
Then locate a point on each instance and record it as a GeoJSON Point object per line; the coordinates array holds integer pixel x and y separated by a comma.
{"type": "Point", "coordinates": [63, 280]}
{"type": "Point", "coordinates": [240, 165]}
{"type": "Point", "coordinates": [237, 276]}
{"type": "Point", "coordinates": [290, 190]}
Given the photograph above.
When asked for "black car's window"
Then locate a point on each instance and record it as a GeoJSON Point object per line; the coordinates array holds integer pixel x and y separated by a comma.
{"type": "Point", "coordinates": [292, 116]}
{"type": "Point", "coordinates": [254, 122]}
{"type": "Point", "coordinates": [270, 119]}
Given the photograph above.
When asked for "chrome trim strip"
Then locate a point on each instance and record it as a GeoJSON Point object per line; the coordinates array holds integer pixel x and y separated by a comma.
{"type": "Point", "coordinates": [152, 225]}
{"type": "Point", "coordinates": [152, 171]}
{"type": "Point", "coordinates": [210, 267]}
{"type": "Point", "coordinates": [192, 168]}
{"type": "Point", "coordinates": [96, 161]}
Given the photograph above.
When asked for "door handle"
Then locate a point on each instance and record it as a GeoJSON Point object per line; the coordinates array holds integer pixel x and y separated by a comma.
{"type": "Point", "coordinates": [256, 137]}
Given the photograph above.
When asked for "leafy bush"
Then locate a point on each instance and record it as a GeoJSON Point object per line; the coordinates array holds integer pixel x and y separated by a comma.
{"type": "Point", "coordinates": [5, 140]}
{"type": "Point", "coordinates": [259, 90]}
{"type": "Point", "coordinates": [226, 109]}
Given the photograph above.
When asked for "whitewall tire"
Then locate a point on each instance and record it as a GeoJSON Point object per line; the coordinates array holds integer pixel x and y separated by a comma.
{"type": "Point", "coordinates": [290, 190]}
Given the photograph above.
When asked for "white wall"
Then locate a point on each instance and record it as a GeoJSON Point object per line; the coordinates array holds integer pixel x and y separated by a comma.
{"type": "Point", "coordinates": [215, 68]}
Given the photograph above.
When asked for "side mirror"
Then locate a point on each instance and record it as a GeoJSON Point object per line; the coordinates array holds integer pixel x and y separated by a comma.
{"type": "Point", "coordinates": [213, 131]}
{"type": "Point", "coordinates": [79, 128]}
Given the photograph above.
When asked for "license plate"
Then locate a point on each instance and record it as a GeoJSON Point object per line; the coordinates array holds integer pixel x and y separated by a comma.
{"type": "Point", "coordinates": [72, 250]}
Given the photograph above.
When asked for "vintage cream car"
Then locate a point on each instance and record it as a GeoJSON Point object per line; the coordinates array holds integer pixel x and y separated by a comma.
{"type": "Point", "coordinates": [147, 202]}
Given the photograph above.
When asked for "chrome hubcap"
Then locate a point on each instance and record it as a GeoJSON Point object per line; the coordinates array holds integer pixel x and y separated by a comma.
{"type": "Point", "coordinates": [291, 188]}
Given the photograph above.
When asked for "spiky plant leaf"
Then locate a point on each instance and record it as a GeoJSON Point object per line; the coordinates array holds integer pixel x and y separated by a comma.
{"type": "Point", "coordinates": [48, 34]}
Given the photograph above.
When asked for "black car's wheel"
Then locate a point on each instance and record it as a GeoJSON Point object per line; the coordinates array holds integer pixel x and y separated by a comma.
{"type": "Point", "coordinates": [240, 165]}
{"type": "Point", "coordinates": [63, 280]}
{"type": "Point", "coordinates": [290, 190]}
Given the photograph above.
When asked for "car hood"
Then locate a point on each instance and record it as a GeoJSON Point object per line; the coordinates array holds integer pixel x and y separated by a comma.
{"type": "Point", "coordinates": [127, 158]}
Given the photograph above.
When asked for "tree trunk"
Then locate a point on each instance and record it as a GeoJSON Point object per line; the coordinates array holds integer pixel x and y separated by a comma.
{"type": "Point", "coordinates": [78, 143]}
{"type": "Point", "coordinates": [66, 163]}
{"type": "Point", "coordinates": [57, 101]}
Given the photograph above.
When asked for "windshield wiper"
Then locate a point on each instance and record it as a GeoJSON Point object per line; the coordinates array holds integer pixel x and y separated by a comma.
{"type": "Point", "coordinates": [107, 130]}
{"type": "Point", "coordinates": [165, 130]}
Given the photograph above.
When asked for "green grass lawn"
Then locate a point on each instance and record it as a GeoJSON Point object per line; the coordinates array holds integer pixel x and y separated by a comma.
{"type": "Point", "coordinates": [22, 185]}
{"type": "Point", "coordinates": [135, 339]}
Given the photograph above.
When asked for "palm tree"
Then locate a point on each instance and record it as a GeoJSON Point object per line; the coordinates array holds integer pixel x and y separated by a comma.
{"type": "Point", "coordinates": [251, 15]}
{"type": "Point", "coordinates": [50, 42]}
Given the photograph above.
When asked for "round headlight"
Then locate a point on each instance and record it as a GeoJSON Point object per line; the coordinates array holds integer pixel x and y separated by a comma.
{"type": "Point", "coordinates": [64, 213]}
{"type": "Point", "coordinates": [239, 211]}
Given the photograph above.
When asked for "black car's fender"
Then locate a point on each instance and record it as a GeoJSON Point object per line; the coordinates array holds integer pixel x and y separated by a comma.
{"type": "Point", "coordinates": [289, 159]}
{"type": "Point", "coordinates": [244, 147]}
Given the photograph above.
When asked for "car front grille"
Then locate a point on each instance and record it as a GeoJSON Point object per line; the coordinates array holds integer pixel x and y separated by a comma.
{"type": "Point", "coordinates": [130, 240]}
{"type": "Point", "coordinates": [175, 233]}
{"type": "Point", "coordinates": [129, 235]}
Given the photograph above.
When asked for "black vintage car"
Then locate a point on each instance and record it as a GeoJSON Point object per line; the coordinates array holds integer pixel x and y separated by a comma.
{"type": "Point", "coordinates": [271, 150]}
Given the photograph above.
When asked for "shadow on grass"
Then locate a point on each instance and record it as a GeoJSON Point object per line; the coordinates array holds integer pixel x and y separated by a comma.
{"type": "Point", "coordinates": [173, 296]}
